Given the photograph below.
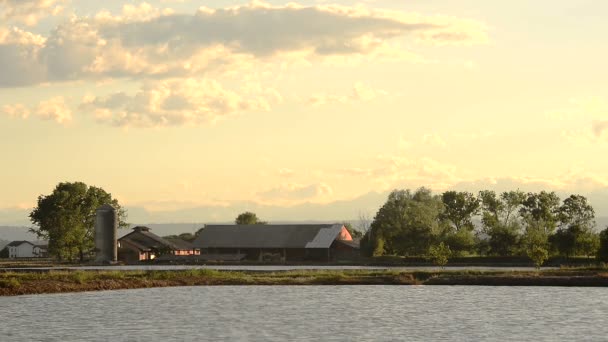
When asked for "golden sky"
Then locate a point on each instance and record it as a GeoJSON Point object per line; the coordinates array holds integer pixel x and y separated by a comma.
{"type": "Point", "coordinates": [171, 105]}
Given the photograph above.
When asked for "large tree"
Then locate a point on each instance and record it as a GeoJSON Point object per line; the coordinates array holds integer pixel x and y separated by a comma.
{"type": "Point", "coordinates": [407, 224]}
{"type": "Point", "coordinates": [460, 208]}
{"type": "Point", "coordinates": [542, 208]}
{"type": "Point", "coordinates": [575, 235]}
{"type": "Point", "coordinates": [500, 221]}
{"type": "Point", "coordinates": [248, 218]}
{"type": "Point", "coordinates": [66, 218]}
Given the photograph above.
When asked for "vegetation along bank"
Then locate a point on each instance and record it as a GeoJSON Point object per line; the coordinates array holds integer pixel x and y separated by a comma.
{"type": "Point", "coordinates": [22, 283]}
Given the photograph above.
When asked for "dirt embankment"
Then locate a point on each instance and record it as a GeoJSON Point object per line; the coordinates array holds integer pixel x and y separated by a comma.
{"type": "Point", "coordinates": [21, 283]}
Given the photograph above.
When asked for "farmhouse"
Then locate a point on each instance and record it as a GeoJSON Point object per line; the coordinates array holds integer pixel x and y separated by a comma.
{"type": "Point", "coordinates": [315, 242]}
{"type": "Point", "coordinates": [141, 244]}
{"type": "Point", "coordinates": [27, 249]}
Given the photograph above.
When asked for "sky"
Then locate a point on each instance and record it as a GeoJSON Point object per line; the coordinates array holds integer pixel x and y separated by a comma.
{"type": "Point", "coordinates": [175, 106]}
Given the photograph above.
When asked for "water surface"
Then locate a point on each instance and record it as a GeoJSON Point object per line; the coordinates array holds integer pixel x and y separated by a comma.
{"type": "Point", "coordinates": [311, 313]}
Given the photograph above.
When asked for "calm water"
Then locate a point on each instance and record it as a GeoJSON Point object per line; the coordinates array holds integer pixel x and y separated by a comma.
{"type": "Point", "coordinates": [316, 313]}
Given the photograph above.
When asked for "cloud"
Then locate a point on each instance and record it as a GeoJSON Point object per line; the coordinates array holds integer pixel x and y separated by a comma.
{"type": "Point", "coordinates": [54, 109]}
{"type": "Point", "coordinates": [296, 193]}
{"type": "Point", "coordinates": [434, 139]}
{"type": "Point", "coordinates": [599, 127]}
{"type": "Point", "coordinates": [29, 12]}
{"type": "Point", "coordinates": [285, 172]}
{"type": "Point", "coordinates": [175, 102]}
{"type": "Point", "coordinates": [360, 92]}
{"type": "Point", "coordinates": [145, 41]}
{"type": "Point", "coordinates": [18, 111]}
{"type": "Point", "coordinates": [390, 171]}
{"type": "Point", "coordinates": [591, 109]}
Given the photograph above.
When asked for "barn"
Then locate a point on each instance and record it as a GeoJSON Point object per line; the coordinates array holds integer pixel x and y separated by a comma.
{"type": "Point", "coordinates": [141, 245]}
{"type": "Point", "coordinates": [294, 242]}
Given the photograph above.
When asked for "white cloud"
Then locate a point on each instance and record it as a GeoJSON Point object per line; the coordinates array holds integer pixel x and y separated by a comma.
{"type": "Point", "coordinates": [54, 109]}
{"type": "Point", "coordinates": [29, 12]}
{"type": "Point", "coordinates": [145, 41]}
{"type": "Point", "coordinates": [434, 139]}
{"type": "Point", "coordinates": [285, 172]}
{"type": "Point", "coordinates": [18, 111]}
{"type": "Point", "coordinates": [360, 92]}
{"type": "Point", "coordinates": [176, 102]}
{"type": "Point", "coordinates": [390, 171]}
{"type": "Point", "coordinates": [292, 193]}
{"type": "Point", "coordinates": [591, 111]}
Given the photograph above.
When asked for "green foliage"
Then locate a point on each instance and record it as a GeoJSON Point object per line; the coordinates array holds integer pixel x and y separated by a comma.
{"type": "Point", "coordinates": [461, 242]}
{"type": "Point", "coordinates": [440, 254]}
{"type": "Point", "coordinates": [460, 207]}
{"type": "Point", "coordinates": [248, 218]}
{"type": "Point", "coordinates": [408, 222]}
{"type": "Point", "coordinates": [602, 253]}
{"type": "Point", "coordinates": [538, 255]}
{"type": "Point", "coordinates": [501, 222]}
{"type": "Point", "coordinates": [536, 241]}
{"type": "Point", "coordinates": [542, 207]}
{"type": "Point", "coordinates": [10, 283]}
{"type": "Point", "coordinates": [379, 247]}
{"type": "Point", "coordinates": [575, 235]}
{"type": "Point", "coordinates": [66, 218]}
{"type": "Point", "coordinates": [4, 253]}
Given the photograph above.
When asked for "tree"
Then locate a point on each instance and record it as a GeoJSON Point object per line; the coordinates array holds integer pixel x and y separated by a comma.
{"type": "Point", "coordinates": [602, 252]}
{"type": "Point", "coordinates": [408, 223]}
{"type": "Point", "coordinates": [500, 221]}
{"type": "Point", "coordinates": [538, 255]}
{"type": "Point", "coordinates": [576, 222]}
{"type": "Point", "coordinates": [542, 207]}
{"type": "Point", "coordinates": [536, 241]}
{"type": "Point", "coordinates": [66, 218]}
{"type": "Point", "coordinates": [440, 254]}
{"type": "Point", "coordinates": [248, 218]}
{"type": "Point", "coordinates": [460, 207]}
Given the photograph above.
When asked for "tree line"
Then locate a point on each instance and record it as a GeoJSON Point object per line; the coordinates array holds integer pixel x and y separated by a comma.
{"type": "Point", "coordinates": [511, 223]}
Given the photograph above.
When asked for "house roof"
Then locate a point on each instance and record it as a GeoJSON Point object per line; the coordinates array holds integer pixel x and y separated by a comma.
{"type": "Point", "coordinates": [144, 240]}
{"type": "Point", "coordinates": [18, 243]}
{"type": "Point", "coordinates": [268, 236]}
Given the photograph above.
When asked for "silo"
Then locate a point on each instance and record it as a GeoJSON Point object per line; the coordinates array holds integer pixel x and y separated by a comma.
{"type": "Point", "coordinates": [106, 226]}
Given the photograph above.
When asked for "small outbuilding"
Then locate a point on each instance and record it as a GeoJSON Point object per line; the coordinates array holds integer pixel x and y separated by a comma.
{"type": "Point", "coordinates": [141, 245]}
{"type": "Point", "coordinates": [291, 242]}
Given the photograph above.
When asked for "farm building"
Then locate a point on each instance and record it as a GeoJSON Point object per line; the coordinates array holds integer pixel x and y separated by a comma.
{"type": "Point", "coordinates": [27, 249]}
{"type": "Point", "coordinates": [141, 244]}
{"type": "Point", "coordinates": [313, 242]}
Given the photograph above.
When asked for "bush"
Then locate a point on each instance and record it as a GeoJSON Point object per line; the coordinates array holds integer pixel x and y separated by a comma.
{"type": "Point", "coordinates": [440, 254]}
{"type": "Point", "coordinates": [10, 283]}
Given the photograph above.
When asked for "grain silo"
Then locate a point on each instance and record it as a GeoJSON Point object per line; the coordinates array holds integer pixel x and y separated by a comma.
{"type": "Point", "coordinates": [106, 226]}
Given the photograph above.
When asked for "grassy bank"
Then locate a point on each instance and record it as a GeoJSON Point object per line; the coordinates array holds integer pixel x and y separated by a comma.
{"type": "Point", "coordinates": [20, 283]}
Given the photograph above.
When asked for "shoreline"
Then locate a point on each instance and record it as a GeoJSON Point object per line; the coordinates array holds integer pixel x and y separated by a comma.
{"type": "Point", "coordinates": [27, 283]}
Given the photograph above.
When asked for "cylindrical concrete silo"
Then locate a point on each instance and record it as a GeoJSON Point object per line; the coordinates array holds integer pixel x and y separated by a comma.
{"type": "Point", "coordinates": [106, 227]}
